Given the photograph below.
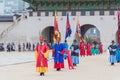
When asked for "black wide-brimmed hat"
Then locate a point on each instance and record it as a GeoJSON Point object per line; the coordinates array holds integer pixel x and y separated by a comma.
{"type": "Point", "coordinates": [74, 40]}
{"type": "Point", "coordinates": [113, 41]}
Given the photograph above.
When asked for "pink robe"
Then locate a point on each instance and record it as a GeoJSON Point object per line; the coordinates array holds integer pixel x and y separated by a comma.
{"type": "Point", "coordinates": [100, 48]}
{"type": "Point", "coordinates": [82, 49]}
{"type": "Point", "coordinates": [88, 49]}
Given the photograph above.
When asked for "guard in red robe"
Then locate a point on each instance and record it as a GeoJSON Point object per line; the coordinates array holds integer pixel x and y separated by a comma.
{"type": "Point", "coordinates": [41, 54]}
{"type": "Point", "coordinates": [82, 49]}
{"type": "Point", "coordinates": [101, 48]}
{"type": "Point", "coordinates": [88, 49]}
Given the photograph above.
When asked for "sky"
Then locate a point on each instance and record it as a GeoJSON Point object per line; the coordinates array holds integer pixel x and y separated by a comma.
{"type": "Point", "coordinates": [1, 7]}
{"type": "Point", "coordinates": [10, 6]}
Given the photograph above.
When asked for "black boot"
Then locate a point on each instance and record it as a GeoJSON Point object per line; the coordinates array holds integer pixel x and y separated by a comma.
{"type": "Point", "coordinates": [112, 64]}
{"type": "Point", "coordinates": [58, 69]}
{"type": "Point", "coordinates": [40, 74]}
{"type": "Point", "coordinates": [118, 61]}
{"type": "Point", "coordinates": [65, 58]}
{"type": "Point", "coordinates": [73, 64]}
{"type": "Point", "coordinates": [43, 74]}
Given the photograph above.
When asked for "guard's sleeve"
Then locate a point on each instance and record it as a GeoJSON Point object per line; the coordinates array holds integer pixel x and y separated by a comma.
{"type": "Point", "coordinates": [46, 54]}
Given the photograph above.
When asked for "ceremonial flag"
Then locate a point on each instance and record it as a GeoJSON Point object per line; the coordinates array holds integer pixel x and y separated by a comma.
{"type": "Point", "coordinates": [56, 30]}
{"type": "Point", "coordinates": [119, 28]}
{"type": "Point", "coordinates": [78, 30]}
{"type": "Point", "coordinates": [68, 28]}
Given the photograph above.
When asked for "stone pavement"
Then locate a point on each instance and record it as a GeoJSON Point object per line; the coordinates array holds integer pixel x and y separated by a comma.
{"type": "Point", "coordinates": [90, 68]}
{"type": "Point", "coordinates": [7, 58]}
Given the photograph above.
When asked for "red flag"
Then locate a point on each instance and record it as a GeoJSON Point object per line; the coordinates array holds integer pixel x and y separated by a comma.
{"type": "Point", "coordinates": [55, 22]}
{"type": "Point", "coordinates": [119, 28]}
{"type": "Point", "coordinates": [56, 30]}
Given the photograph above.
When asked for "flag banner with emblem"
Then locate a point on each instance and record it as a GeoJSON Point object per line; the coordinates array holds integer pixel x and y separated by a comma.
{"type": "Point", "coordinates": [78, 31]}
{"type": "Point", "coordinates": [68, 28]}
{"type": "Point", "coordinates": [56, 30]}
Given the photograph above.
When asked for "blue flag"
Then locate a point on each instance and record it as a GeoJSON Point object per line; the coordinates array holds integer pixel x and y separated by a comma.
{"type": "Point", "coordinates": [68, 28]}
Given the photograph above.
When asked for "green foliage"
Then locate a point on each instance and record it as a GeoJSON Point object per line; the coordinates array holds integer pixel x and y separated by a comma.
{"type": "Point", "coordinates": [118, 1]}
{"type": "Point", "coordinates": [74, 4]}
{"type": "Point", "coordinates": [89, 39]}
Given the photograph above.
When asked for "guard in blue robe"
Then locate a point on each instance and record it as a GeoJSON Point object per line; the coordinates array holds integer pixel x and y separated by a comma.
{"type": "Point", "coordinates": [75, 53]}
{"type": "Point", "coordinates": [58, 53]}
{"type": "Point", "coordinates": [112, 50]}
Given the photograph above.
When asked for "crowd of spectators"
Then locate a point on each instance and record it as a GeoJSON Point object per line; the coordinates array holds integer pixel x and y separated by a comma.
{"type": "Point", "coordinates": [17, 47]}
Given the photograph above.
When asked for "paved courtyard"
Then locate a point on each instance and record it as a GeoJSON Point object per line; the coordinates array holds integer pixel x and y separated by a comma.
{"type": "Point", "coordinates": [21, 66]}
